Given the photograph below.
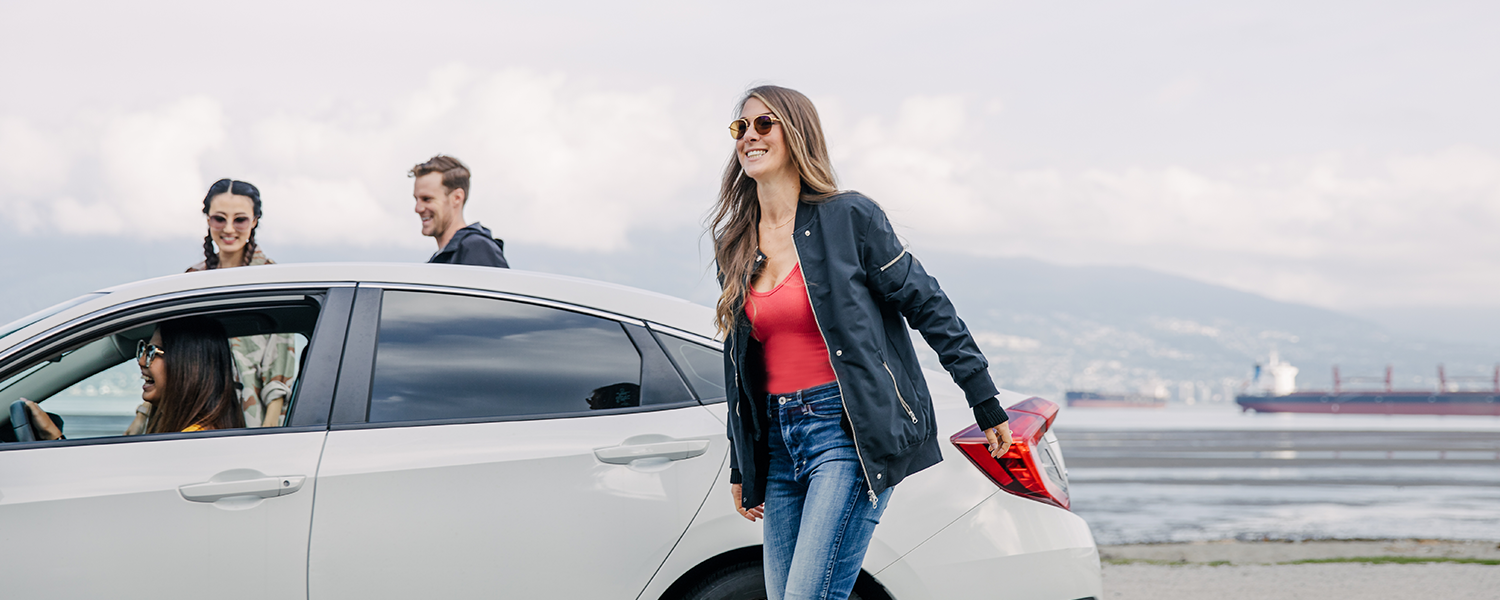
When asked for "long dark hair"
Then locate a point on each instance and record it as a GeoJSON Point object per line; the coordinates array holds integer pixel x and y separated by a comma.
{"type": "Point", "coordinates": [736, 216]}
{"type": "Point", "coordinates": [238, 188]}
{"type": "Point", "coordinates": [199, 389]}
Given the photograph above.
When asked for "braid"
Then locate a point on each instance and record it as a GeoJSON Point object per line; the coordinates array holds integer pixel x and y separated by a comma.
{"type": "Point", "coordinates": [210, 259]}
{"type": "Point", "coordinates": [250, 246]}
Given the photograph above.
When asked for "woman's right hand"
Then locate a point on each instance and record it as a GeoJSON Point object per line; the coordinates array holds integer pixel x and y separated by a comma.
{"type": "Point", "coordinates": [752, 514]}
{"type": "Point", "coordinates": [142, 416]}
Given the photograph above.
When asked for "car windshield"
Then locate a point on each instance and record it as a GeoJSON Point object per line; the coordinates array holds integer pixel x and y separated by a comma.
{"type": "Point", "coordinates": [23, 322]}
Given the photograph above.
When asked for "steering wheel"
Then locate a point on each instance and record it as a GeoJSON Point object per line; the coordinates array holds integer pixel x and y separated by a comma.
{"type": "Point", "coordinates": [20, 420]}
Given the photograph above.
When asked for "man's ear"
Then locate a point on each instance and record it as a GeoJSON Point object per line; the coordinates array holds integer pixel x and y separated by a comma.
{"type": "Point", "coordinates": [461, 195]}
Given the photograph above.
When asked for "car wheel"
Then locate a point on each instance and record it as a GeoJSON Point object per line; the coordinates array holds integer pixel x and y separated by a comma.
{"type": "Point", "coordinates": [738, 581]}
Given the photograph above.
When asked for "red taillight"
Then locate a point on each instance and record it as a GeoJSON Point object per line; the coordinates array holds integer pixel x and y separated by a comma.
{"type": "Point", "coordinates": [1029, 469]}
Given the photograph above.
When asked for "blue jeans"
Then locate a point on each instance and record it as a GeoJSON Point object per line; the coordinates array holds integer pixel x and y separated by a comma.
{"type": "Point", "coordinates": [819, 517]}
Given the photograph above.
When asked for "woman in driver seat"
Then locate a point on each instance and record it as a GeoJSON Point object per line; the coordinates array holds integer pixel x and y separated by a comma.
{"type": "Point", "coordinates": [189, 381]}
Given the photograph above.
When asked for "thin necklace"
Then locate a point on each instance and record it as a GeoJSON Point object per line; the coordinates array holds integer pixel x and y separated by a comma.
{"type": "Point", "coordinates": [783, 223]}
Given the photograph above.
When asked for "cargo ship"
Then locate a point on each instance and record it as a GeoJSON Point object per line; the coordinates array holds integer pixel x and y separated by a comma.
{"type": "Point", "coordinates": [1448, 399]}
{"type": "Point", "coordinates": [1098, 400]}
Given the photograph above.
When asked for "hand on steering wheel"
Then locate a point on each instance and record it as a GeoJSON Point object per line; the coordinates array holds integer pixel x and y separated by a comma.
{"type": "Point", "coordinates": [31, 423]}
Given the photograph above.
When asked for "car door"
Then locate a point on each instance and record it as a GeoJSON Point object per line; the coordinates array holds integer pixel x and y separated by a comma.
{"type": "Point", "coordinates": [214, 513]}
{"type": "Point", "coordinates": [484, 445]}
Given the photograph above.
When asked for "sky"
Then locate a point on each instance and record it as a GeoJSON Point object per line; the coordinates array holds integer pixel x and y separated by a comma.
{"type": "Point", "coordinates": [1340, 154]}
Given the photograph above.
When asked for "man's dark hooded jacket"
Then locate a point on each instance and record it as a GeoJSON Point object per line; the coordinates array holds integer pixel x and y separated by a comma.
{"type": "Point", "coordinates": [864, 288]}
{"type": "Point", "coordinates": [473, 245]}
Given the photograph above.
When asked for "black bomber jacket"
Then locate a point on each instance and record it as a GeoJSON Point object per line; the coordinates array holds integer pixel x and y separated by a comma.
{"type": "Point", "coordinates": [864, 288]}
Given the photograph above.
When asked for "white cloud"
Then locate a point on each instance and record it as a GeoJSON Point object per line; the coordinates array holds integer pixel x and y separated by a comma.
{"type": "Point", "coordinates": [1000, 341]}
{"type": "Point", "coordinates": [31, 160]}
{"type": "Point", "coordinates": [136, 174]}
{"type": "Point", "coordinates": [575, 164]}
{"type": "Point", "coordinates": [149, 164]}
{"type": "Point", "coordinates": [554, 163]}
{"type": "Point", "coordinates": [1332, 229]}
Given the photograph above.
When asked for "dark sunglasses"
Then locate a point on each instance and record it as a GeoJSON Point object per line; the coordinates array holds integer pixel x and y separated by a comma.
{"type": "Point", "coordinates": [218, 222]}
{"type": "Point", "coordinates": [763, 123]}
{"type": "Point", "coordinates": [145, 353]}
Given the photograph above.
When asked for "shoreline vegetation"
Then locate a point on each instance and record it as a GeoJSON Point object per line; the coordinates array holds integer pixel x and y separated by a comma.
{"type": "Point", "coordinates": [1323, 569]}
{"type": "Point", "coordinates": [1278, 552]}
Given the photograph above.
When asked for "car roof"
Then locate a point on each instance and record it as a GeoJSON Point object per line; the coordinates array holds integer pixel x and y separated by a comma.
{"type": "Point", "coordinates": [609, 297]}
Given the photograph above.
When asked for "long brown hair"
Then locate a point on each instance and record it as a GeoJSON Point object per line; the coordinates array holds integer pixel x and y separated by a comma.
{"type": "Point", "coordinates": [199, 389]}
{"type": "Point", "coordinates": [736, 215]}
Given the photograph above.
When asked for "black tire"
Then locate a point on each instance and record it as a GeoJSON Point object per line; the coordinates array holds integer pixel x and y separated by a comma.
{"type": "Point", "coordinates": [738, 581]}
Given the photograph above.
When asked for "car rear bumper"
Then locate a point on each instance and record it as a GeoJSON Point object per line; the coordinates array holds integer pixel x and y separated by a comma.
{"type": "Point", "coordinates": [1006, 547]}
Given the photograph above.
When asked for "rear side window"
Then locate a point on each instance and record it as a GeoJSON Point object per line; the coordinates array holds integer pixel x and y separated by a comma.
{"type": "Point", "coordinates": [701, 366]}
{"type": "Point", "coordinates": [445, 356]}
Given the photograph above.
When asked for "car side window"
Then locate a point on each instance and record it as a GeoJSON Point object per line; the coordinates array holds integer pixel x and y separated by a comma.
{"type": "Point", "coordinates": [448, 356]}
{"type": "Point", "coordinates": [701, 366]}
{"type": "Point", "coordinates": [105, 403]}
{"type": "Point", "coordinates": [94, 389]}
{"type": "Point", "coordinates": [101, 405]}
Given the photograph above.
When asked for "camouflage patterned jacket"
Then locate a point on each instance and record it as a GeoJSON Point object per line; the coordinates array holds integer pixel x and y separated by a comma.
{"type": "Point", "coordinates": [264, 364]}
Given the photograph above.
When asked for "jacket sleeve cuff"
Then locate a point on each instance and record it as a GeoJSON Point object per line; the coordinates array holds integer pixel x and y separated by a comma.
{"type": "Point", "coordinates": [987, 414]}
{"type": "Point", "coordinates": [734, 477]}
{"type": "Point", "coordinates": [979, 387]}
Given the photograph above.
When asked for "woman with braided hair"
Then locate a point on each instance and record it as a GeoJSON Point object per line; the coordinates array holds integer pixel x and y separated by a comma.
{"type": "Point", "coordinates": [264, 364]}
{"type": "Point", "coordinates": [233, 211]}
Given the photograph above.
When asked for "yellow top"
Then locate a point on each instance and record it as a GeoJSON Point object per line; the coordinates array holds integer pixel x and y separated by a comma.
{"type": "Point", "coordinates": [194, 427]}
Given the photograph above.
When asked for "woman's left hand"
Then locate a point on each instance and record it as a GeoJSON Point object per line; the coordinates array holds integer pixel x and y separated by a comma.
{"type": "Point", "coordinates": [45, 428]}
{"type": "Point", "coordinates": [999, 439]}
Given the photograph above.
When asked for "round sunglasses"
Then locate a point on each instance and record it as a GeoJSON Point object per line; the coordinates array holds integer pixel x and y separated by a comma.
{"type": "Point", "coordinates": [219, 222]}
{"type": "Point", "coordinates": [145, 353]}
{"type": "Point", "coordinates": [763, 123]}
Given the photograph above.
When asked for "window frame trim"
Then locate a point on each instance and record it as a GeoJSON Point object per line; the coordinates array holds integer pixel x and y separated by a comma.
{"type": "Point", "coordinates": [444, 289]}
{"type": "Point", "coordinates": [84, 323]}
{"type": "Point", "coordinates": [687, 335]}
{"type": "Point", "coordinates": [147, 438]}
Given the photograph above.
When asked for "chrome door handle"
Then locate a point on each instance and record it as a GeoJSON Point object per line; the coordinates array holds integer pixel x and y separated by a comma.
{"type": "Point", "coordinates": [263, 487]}
{"type": "Point", "coordinates": [673, 450]}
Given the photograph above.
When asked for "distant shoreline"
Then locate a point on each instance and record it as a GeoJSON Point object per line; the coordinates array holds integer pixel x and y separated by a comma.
{"type": "Point", "coordinates": [1278, 552]}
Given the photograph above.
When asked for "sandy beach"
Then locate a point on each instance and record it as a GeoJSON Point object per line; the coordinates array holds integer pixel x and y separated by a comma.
{"type": "Point", "coordinates": [1325, 570]}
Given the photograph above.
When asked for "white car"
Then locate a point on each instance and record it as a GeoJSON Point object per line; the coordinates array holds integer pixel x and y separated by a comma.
{"type": "Point", "coordinates": [461, 432]}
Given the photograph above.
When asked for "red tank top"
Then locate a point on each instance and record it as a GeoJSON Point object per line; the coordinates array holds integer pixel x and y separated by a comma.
{"type": "Point", "coordinates": [782, 320]}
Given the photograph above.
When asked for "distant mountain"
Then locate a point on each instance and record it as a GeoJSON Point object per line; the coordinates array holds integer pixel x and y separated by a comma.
{"type": "Point", "coordinates": [1048, 328]}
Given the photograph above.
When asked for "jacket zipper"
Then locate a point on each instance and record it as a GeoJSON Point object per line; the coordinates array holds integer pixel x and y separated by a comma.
{"type": "Point", "coordinates": [893, 261]}
{"type": "Point", "coordinates": [734, 343]}
{"type": "Point", "coordinates": [869, 486]}
{"type": "Point", "coordinates": [909, 413]}
{"type": "Point", "coordinates": [734, 349]}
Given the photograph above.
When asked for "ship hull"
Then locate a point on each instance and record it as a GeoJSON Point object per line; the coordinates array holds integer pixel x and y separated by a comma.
{"type": "Point", "coordinates": [1377, 403]}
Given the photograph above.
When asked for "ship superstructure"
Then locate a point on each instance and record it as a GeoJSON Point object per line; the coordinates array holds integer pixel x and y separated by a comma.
{"type": "Point", "coordinates": [1353, 395]}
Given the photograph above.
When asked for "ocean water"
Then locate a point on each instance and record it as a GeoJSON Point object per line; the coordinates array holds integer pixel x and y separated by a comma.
{"type": "Point", "coordinates": [1211, 472]}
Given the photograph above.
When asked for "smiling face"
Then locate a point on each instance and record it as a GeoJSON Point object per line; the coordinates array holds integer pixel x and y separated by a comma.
{"type": "Point", "coordinates": [154, 376]}
{"type": "Point", "coordinates": [230, 220]}
{"type": "Point", "coordinates": [762, 156]}
{"type": "Point", "coordinates": [437, 207]}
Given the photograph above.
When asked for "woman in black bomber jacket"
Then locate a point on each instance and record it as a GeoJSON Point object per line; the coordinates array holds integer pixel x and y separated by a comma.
{"type": "Point", "coordinates": [828, 408]}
